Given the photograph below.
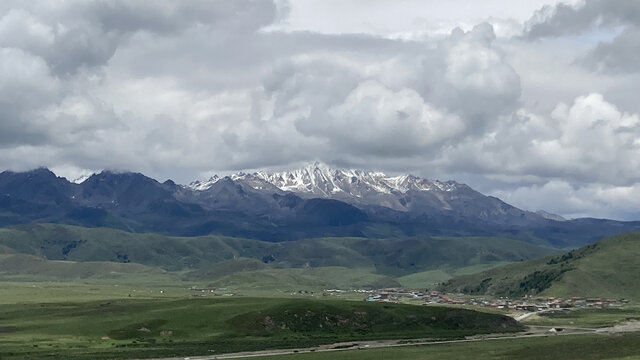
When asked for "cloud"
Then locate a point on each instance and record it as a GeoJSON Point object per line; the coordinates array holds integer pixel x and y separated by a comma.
{"type": "Point", "coordinates": [617, 56]}
{"type": "Point", "coordinates": [19, 28]}
{"type": "Point", "coordinates": [25, 87]}
{"type": "Point", "coordinates": [587, 141]}
{"type": "Point", "coordinates": [594, 200]}
{"type": "Point", "coordinates": [384, 105]}
{"type": "Point", "coordinates": [78, 34]}
{"type": "Point", "coordinates": [479, 82]}
{"type": "Point", "coordinates": [572, 19]}
{"type": "Point", "coordinates": [617, 21]}
{"type": "Point", "coordinates": [375, 120]}
{"type": "Point", "coordinates": [58, 84]}
{"type": "Point", "coordinates": [181, 89]}
{"type": "Point", "coordinates": [407, 19]}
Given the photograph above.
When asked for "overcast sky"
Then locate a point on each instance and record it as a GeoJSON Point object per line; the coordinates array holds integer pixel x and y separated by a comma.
{"type": "Point", "coordinates": [533, 101]}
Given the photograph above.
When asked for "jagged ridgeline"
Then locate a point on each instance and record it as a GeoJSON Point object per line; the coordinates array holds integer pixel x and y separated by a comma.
{"type": "Point", "coordinates": [607, 268]}
{"type": "Point", "coordinates": [312, 202]}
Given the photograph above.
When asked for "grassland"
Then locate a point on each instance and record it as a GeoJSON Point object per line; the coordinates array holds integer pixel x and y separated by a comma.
{"type": "Point", "coordinates": [392, 257]}
{"type": "Point", "coordinates": [174, 327]}
{"type": "Point", "coordinates": [589, 347]}
{"type": "Point", "coordinates": [78, 293]}
{"type": "Point", "coordinates": [430, 278]}
{"type": "Point", "coordinates": [589, 318]}
{"type": "Point", "coordinates": [61, 253]}
{"type": "Point", "coordinates": [607, 268]}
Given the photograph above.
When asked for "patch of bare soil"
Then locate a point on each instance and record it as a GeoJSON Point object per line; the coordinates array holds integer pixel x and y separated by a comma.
{"type": "Point", "coordinates": [627, 326]}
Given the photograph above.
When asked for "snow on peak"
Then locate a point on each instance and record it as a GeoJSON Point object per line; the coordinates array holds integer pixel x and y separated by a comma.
{"type": "Point", "coordinates": [204, 185]}
{"type": "Point", "coordinates": [319, 179]}
{"type": "Point", "coordinates": [82, 178]}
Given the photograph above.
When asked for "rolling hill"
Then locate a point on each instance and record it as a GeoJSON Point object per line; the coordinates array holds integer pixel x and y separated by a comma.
{"type": "Point", "coordinates": [21, 266]}
{"type": "Point", "coordinates": [607, 268]}
{"type": "Point", "coordinates": [366, 262]}
{"type": "Point", "coordinates": [204, 328]}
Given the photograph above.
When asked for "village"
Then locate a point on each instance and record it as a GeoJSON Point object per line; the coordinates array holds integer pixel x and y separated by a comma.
{"type": "Point", "coordinates": [527, 303]}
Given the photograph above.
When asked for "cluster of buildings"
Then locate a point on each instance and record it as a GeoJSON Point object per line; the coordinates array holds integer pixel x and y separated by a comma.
{"type": "Point", "coordinates": [396, 295]}
{"type": "Point", "coordinates": [209, 291]}
{"type": "Point", "coordinates": [527, 303]}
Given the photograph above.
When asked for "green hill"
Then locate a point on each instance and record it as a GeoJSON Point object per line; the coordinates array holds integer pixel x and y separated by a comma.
{"type": "Point", "coordinates": [608, 268]}
{"type": "Point", "coordinates": [235, 260]}
{"type": "Point", "coordinates": [252, 274]}
{"type": "Point", "coordinates": [20, 266]}
{"type": "Point", "coordinates": [127, 329]}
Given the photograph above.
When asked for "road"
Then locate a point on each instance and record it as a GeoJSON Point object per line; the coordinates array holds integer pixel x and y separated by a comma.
{"type": "Point", "coordinates": [526, 315]}
{"type": "Point", "coordinates": [535, 331]}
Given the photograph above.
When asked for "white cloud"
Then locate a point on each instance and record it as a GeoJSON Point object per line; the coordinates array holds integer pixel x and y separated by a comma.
{"type": "Point", "coordinates": [179, 89]}
{"type": "Point", "coordinates": [376, 120]}
{"type": "Point", "coordinates": [594, 200]}
{"type": "Point", "coordinates": [405, 19]}
{"type": "Point", "coordinates": [19, 28]}
{"type": "Point", "coordinates": [588, 141]}
{"type": "Point", "coordinates": [484, 83]}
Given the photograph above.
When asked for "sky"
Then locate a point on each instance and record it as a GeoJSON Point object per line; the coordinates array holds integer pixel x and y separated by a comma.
{"type": "Point", "coordinates": [535, 101]}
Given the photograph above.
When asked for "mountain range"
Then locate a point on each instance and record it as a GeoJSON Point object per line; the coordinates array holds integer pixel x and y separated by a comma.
{"type": "Point", "coordinates": [314, 201]}
{"type": "Point", "coordinates": [376, 191]}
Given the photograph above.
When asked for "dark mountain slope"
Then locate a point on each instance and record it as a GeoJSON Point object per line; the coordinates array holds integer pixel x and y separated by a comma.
{"type": "Point", "coordinates": [250, 206]}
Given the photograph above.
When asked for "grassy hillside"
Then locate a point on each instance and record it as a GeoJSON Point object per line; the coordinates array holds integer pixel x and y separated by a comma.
{"type": "Point", "coordinates": [161, 328]}
{"type": "Point", "coordinates": [252, 274]}
{"type": "Point", "coordinates": [607, 268]}
{"type": "Point", "coordinates": [20, 266]}
{"type": "Point", "coordinates": [384, 257]}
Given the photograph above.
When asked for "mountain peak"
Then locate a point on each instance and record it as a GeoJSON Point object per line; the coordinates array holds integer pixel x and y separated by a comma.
{"type": "Point", "coordinates": [318, 179]}
{"type": "Point", "coordinates": [205, 184]}
{"type": "Point", "coordinates": [40, 172]}
{"type": "Point", "coordinates": [82, 178]}
{"type": "Point", "coordinates": [550, 216]}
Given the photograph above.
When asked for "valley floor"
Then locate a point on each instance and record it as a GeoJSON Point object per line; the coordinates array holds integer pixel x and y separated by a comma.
{"type": "Point", "coordinates": [99, 320]}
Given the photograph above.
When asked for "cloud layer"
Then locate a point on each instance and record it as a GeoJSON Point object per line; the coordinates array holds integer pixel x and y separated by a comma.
{"type": "Point", "coordinates": [540, 113]}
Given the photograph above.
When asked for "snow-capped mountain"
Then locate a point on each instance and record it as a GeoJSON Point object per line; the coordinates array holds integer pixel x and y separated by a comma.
{"type": "Point", "coordinates": [319, 180]}
{"type": "Point", "coordinates": [81, 178]}
{"type": "Point", "coordinates": [312, 202]}
{"type": "Point", "coordinates": [203, 185]}
{"type": "Point", "coordinates": [372, 190]}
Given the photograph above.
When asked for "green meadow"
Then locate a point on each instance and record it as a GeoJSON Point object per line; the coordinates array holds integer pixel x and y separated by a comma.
{"type": "Point", "coordinates": [78, 293]}
{"type": "Point", "coordinates": [589, 318]}
{"type": "Point", "coordinates": [138, 328]}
